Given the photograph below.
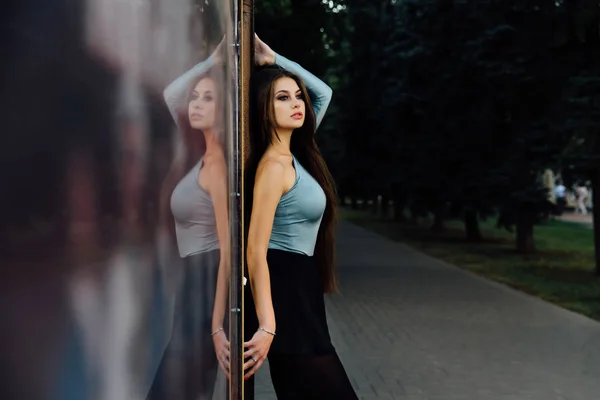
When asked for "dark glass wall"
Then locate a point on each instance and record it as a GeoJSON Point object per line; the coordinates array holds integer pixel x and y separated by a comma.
{"type": "Point", "coordinates": [100, 298]}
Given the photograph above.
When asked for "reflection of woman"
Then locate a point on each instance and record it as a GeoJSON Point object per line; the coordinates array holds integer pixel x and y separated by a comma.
{"type": "Point", "coordinates": [290, 249]}
{"type": "Point", "coordinates": [195, 199]}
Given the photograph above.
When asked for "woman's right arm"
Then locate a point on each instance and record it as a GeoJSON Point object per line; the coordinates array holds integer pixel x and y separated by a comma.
{"type": "Point", "coordinates": [268, 189]}
{"type": "Point", "coordinates": [177, 90]}
{"type": "Point", "coordinates": [320, 93]}
{"type": "Point", "coordinates": [175, 93]}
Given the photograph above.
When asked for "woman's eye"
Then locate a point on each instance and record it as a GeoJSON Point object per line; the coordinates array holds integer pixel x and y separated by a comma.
{"type": "Point", "coordinates": [282, 98]}
{"type": "Point", "coordinates": [208, 98]}
{"type": "Point", "coordinates": [300, 97]}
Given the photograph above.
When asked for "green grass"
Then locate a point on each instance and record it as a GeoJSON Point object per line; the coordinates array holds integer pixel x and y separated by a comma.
{"type": "Point", "coordinates": [561, 271]}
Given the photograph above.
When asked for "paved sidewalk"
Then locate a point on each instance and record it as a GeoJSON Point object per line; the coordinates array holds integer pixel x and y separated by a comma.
{"type": "Point", "coordinates": [587, 219]}
{"type": "Point", "coordinates": [410, 327]}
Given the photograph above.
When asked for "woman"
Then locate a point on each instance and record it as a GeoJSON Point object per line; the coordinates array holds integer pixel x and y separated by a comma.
{"type": "Point", "coordinates": [194, 203]}
{"type": "Point", "coordinates": [292, 205]}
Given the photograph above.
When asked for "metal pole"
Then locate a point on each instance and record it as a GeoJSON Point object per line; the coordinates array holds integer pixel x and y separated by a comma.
{"type": "Point", "coordinates": [236, 275]}
{"type": "Point", "coordinates": [246, 64]}
{"type": "Point", "coordinates": [243, 60]}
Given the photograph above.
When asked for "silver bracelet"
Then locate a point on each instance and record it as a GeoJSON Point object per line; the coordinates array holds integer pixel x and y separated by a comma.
{"type": "Point", "coordinates": [265, 330]}
{"type": "Point", "coordinates": [217, 331]}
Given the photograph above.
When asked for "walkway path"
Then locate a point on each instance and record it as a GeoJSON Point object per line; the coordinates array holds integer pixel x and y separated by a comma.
{"type": "Point", "coordinates": [586, 219]}
{"type": "Point", "coordinates": [411, 327]}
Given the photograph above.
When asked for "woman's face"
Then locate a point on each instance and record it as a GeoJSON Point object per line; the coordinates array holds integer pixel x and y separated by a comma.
{"type": "Point", "coordinates": [202, 107]}
{"type": "Point", "coordinates": [288, 104]}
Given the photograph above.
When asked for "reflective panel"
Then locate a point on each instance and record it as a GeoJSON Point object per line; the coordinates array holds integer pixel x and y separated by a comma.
{"type": "Point", "coordinates": [115, 225]}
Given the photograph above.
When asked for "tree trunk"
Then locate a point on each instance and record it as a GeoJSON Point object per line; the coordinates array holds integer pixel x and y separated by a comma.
{"type": "Point", "coordinates": [353, 203]}
{"type": "Point", "coordinates": [384, 207]}
{"type": "Point", "coordinates": [341, 197]}
{"type": "Point", "coordinates": [374, 207]}
{"type": "Point", "coordinates": [399, 207]}
{"type": "Point", "coordinates": [364, 202]}
{"type": "Point", "coordinates": [439, 222]}
{"type": "Point", "coordinates": [596, 216]}
{"type": "Point", "coordinates": [472, 226]}
{"type": "Point", "coordinates": [525, 243]}
{"type": "Point", "coordinates": [414, 218]}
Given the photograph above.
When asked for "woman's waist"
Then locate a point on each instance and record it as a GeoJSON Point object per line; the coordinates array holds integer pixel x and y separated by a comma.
{"type": "Point", "coordinates": [299, 245]}
{"type": "Point", "coordinates": [203, 258]}
{"type": "Point", "coordinates": [287, 261]}
{"type": "Point", "coordinates": [194, 246]}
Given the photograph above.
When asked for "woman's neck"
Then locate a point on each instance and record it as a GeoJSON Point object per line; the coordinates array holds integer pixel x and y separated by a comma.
{"type": "Point", "coordinates": [283, 145]}
{"type": "Point", "coordinates": [213, 145]}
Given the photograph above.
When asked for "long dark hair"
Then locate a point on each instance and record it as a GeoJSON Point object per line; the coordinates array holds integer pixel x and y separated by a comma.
{"type": "Point", "coordinates": [192, 145]}
{"type": "Point", "coordinates": [305, 149]}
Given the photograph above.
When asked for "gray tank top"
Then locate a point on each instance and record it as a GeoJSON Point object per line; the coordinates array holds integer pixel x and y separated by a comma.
{"type": "Point", "coordinates": [195, 223]}
{"type": "Point", "coordinates": [298, 215]}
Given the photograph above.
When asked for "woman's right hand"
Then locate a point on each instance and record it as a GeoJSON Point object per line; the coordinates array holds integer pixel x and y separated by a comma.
{"type": "Point", "coordinates": [263, 54]}
{"type": "Point", "coordinates": [222, 351]}
{"type": "Point", "coordinates": [219, 53]}
{"type": "Point", "coordinates": [256, 352]}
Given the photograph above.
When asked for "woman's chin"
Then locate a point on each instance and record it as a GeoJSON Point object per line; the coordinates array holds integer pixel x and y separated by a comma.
{"type": "Point", "coordinates": [296, 124]}
{"type": "Point", "coordinates": [198, 126]}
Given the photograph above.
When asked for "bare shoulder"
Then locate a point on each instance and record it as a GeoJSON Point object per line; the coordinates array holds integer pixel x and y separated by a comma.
{"type": "Point", "coordinates": [270, 173]}
{"type": "Point", "coordinates": [218, 166]}
{"type": "Point", "coordinates": [214, 173]}
{"type": "Point", "coordinates": [270, 167]}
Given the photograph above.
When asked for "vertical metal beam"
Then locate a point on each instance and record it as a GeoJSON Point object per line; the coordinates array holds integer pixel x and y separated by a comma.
{"type": "Point", "coordinates": [246, 65]}
{"type": "Point", "coordinates": [243, 62]}
{"type": "Point", "coordinates": [236, 337]}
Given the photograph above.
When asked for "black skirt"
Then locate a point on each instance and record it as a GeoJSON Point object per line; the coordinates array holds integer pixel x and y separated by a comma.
{"type": "Point", "coordinates": [188, 368]}
{"type": "Point", "coordinates": [302, 360]}
{"type": "Point", "coordinates": [299, 305]}
{"type": "Point", "coordinates": [195, 301]}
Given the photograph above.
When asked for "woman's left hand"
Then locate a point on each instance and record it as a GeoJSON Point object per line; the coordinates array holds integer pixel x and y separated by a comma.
{"type": "Point", "coordinates": [222, 351]}
{"type": "Point", "coordinates": [263, 55]}
{"type": "Point", "coordinates": [256, 352]}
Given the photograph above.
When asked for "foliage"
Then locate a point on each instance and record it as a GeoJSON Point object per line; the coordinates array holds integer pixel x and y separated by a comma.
{"type": "Point", "coordinates": [452, 107]}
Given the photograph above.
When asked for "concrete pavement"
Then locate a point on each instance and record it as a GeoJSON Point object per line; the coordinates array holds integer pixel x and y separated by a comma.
{"type": "Point", "coordinates": [410, 327]}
